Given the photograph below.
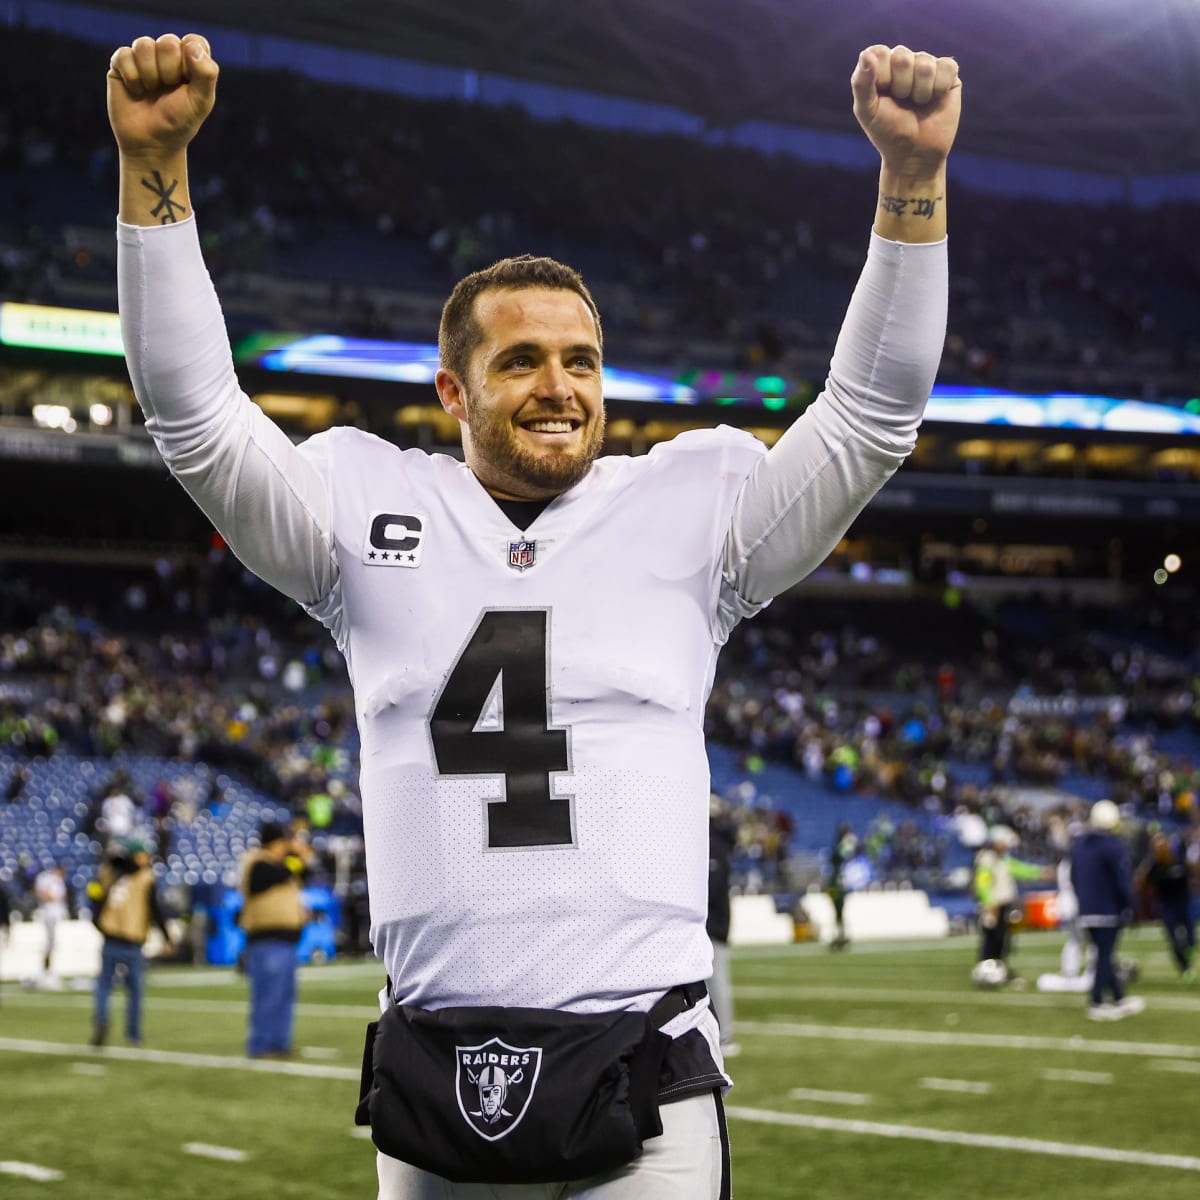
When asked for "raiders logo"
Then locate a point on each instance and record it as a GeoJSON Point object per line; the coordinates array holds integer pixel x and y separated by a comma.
{"type": "Point", "coordinates": [495, 1084]}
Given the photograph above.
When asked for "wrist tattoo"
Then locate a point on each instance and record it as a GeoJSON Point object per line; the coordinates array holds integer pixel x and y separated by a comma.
{"type": "Point", "coordinates": [166, 207]}
{"type": "Point", "coordinates": [913, 206]}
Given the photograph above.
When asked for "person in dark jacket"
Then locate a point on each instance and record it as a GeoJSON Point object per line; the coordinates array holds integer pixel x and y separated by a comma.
{"type": "Point", "coordinates": [1166, 874]}
{"type": "Point", "coordinates": [5, 919]}
{"type": "Point", "coordinates": [722, 841]}
{"type": "Point", "coordinates": [1103, 884]}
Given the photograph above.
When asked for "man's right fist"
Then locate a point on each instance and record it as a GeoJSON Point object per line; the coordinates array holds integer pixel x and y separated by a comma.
{"type": "Point", "coordinates": [159, 92]}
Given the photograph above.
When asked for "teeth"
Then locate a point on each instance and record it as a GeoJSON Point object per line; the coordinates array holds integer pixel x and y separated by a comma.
{"type": "Point", "coordinates": [549, 426]}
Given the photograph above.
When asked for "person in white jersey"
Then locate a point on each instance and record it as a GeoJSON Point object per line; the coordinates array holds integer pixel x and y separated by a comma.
{"type": "Point", "coordinates": [531, 636]}
{"type": "Point", "coordinates": [50, 889]}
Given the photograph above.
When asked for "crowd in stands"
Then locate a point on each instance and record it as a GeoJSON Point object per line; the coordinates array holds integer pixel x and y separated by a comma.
{"type": "Point", "coordinates": [830, 691]}
{"type": "Point", "coordinates": [682, 238]}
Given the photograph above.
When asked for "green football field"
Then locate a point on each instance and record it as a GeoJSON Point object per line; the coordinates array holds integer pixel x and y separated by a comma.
{"type": "Point", "coordinates": [874, 1074]}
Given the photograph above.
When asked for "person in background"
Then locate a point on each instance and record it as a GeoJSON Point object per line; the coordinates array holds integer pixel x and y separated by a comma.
{"type": "Point", "coordinates": [845, 847]}
{"type": "Point", "coordinates": [996, 875]}
{"type": "Point", "coordinates": [1165, 873]}
{"type": "Point", "coordinates": [1104, 887]}
{"type": "Point", "coordinates": [125, 905]}
{"type": "Point", "coordinates": [50, 890]}
{"type": "Point", "coordinates": [722, 841]}
{"type": "Point", "coordinates": [272, 917]}
{"type": "Point", "coordinates": [5, 921]}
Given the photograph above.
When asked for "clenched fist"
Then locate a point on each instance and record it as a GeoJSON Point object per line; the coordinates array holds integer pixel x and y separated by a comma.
{"type": "Point", "coordinates": [159, 92]}
{"type": "Point", "coordinates": [908, 105]}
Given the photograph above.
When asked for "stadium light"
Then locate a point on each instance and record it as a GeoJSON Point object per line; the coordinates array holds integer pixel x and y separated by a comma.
{"type": "Point", "coordinates": [100, 414]}
{"type": "Point", "coordinates": [1161, 577]}
{"type": "Point", "coordinates": [54, 416]}
{"type": "Point", "coordinates": [1172, 562]}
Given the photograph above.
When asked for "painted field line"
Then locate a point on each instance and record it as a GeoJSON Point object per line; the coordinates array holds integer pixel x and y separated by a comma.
{"type": "Point", "coordinates": [325, 1052]}
{"type": "Point", "coordinates": [184, 977]}
{"type": "Point", "coordinates": [31, 1171]}
{"type": "Point", "coordinates": [179, 1058]}
{"type": "Point", "coordinates": [953, 1137]}
{"type": "Point", "coordinates": [973, 1087]}
{"type": "Point", "coordinates": [205, 1150]}
{"type": "Point", "coordinates": [88, 1069]}
{"type": "Point", "coordinates": [821, 949]}
{"type": "Point", "coordinates": [961, 999]}
{"type": "Point", "coordinates": [829, 1097]}
{"type": "Point", "coordinates": [1186, 1068]}
{"type": "Point", "coordinates": [369, 1011]}
{"type": "Point", "coordinates": [998, 1041]}
{"type": "Point", "coordinates": [1096, 1077]}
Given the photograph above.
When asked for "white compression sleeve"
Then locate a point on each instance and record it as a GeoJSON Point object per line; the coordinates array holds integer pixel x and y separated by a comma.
{"type": "Point", "coordinates": [266, 499]}
{"type": "Point", "coordinates": [800, 499]}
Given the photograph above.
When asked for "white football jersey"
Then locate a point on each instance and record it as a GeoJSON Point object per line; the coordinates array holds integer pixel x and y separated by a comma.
{"type": "Point", "coordinates": [531, 705]}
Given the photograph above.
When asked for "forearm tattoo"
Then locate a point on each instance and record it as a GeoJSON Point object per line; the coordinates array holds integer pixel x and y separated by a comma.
{"type": "Point", "coordinates": [166, 207]}
{"type": "Point", "coordinates": [913, 206]}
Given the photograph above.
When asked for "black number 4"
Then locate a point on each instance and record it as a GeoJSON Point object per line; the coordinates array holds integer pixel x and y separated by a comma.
{"type": "Point", "coordinates": [506, 662]}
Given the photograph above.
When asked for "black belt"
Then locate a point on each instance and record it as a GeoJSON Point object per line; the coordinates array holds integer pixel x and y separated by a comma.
{"type": "Point", "coordinates": [678, 999]}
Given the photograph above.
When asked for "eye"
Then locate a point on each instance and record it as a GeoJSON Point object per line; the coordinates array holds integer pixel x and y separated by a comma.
{"type": "Point", "coordinates": [583, 362]}
{"type": "Point", "coordinates": [522, 362]}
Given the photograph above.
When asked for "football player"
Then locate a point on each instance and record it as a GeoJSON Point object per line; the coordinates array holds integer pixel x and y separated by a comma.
{"type": "Point", "coordinates": [531, 633]}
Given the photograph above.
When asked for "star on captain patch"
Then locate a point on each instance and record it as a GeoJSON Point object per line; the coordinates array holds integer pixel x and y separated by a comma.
{"type": "Point", "coordinates": [522, 555]}
{"type": "Point", "coordinates": [394, 540]}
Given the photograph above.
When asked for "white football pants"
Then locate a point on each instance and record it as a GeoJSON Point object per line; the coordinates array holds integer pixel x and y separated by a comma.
{"type": "Point", "coordinates": [689, 1162]}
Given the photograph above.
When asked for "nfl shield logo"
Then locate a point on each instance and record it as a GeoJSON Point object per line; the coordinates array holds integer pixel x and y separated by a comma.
{"type": "Point", "coordinates": [522, 555]}
{"type": "Point", "coordinates": [495, 1084]}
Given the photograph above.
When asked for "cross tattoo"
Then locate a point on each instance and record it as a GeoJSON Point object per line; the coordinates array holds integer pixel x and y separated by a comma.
{"type": "Point", "coordinates": [166, 205]}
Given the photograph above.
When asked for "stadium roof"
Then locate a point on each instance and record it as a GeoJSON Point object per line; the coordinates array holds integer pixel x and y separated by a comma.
{"type": "Point", "coordinates": [1098, 85]}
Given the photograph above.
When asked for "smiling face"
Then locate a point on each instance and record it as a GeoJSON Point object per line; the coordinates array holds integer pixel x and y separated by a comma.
{"type": "Point", "coordinates": [530, 404]}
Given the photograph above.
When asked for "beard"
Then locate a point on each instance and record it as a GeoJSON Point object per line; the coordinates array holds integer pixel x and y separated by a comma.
{"type": "Point", "coordinates": [551, 470]}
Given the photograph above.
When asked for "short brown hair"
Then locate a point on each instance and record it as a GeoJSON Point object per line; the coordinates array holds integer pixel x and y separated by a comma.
{"type": "Point", "coordinates": [460, 333]}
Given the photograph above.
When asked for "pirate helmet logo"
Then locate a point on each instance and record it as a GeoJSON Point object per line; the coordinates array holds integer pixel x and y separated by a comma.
{"type": "Point", "coordinates": [495, 1085]}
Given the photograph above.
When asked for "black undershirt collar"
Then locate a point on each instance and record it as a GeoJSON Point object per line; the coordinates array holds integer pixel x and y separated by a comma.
{"type": "Point", "coordinates": [522, 513]}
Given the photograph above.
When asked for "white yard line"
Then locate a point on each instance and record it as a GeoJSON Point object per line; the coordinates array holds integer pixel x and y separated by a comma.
{"type": "Point", "coordinates": [829, 1097]}
{"type": "Point", "coordinates": [1097, 1077]}
{"type": "Point", "coordinates": [31, 1171]}
{"type": "Point", "coordinates": [323, 1052]}
{"type": "Point", "coordinates": [367, 1012]}
{"type": "Point", "coordinates": [169, 977]}
{"type": "Point", "coordinates": [1185, 1068]}
{"type": "Point", "coordinates": [88, 1069]}
{"type": "Point", "coordinates": [180, 1059]}
{"type": "Point", "coordinates": [964, 999]}
{"type": "Point", "coordinates": [953, 1137]}
{"type": "Point", "coordinates": [223, 1153]}
{"type": "Point", "coordinates": [999, 1041]}
{"type": "Point", "coordinates": [973, 1087]}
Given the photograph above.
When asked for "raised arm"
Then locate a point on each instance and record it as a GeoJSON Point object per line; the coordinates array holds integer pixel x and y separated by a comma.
{"type": "Point", "coordinates": [159, 93]}
{"type": "Point", "coordinates": [266, 498]}
{"type": "Point", "coordinates": [802, 497]}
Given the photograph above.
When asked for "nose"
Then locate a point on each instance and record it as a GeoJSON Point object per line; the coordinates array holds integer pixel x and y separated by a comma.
{"type": "Point", "coordinates": [553, 383]}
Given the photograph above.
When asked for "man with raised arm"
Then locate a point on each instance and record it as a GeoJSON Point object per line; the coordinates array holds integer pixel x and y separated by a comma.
{"type": "Point", "coordinates": [531, 635]}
